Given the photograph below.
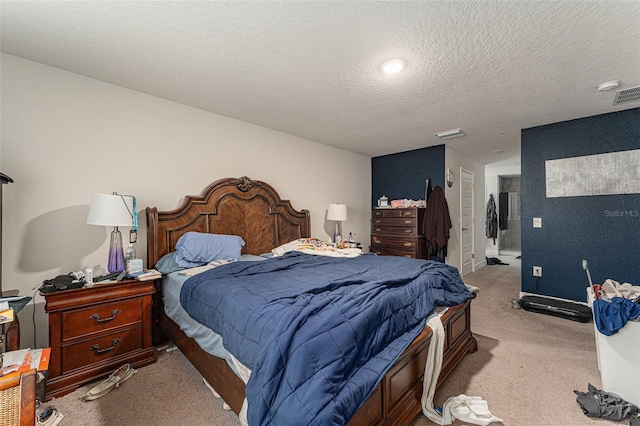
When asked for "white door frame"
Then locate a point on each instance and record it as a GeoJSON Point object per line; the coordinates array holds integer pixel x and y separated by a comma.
{"type": "Point", "coordinates": [461, 222]}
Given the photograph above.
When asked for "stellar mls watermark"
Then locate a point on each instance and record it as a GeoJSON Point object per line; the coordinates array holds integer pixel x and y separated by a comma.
{"type": "Point", "coordinates": [621, 213]}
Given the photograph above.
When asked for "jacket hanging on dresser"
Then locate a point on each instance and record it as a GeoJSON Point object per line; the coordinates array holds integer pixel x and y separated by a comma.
{"type": "Point", "coordinates": [437, 224]}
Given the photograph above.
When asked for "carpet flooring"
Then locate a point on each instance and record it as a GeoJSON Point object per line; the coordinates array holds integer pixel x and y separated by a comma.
{"type": "Point", "coordinates": [526, 368]}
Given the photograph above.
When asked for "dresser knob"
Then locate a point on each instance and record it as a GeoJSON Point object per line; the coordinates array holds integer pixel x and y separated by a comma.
{"type": "Point", "coordinates": [378, 229]}
{"type": "Point", "coordinates": [378, 221]}
{"type": "Point", "coordinates": [407, 231]}
{"type": "Point", "coordinates": [97, 318]}
{"type": "Point", "coordinates": [408, 222]}
{"type": "Point", "coordinates": [408, 244]}
{"type": "Point", "coordinates": [97, 349]}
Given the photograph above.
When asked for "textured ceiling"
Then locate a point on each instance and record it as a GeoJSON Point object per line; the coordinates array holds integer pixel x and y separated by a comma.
{"type": "Point", "coordinates": [311, 68]}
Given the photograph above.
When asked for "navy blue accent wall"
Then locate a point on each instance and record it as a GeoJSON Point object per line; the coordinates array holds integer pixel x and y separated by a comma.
{"type": "Point", "coordinates": [604, 230]}
{"type": "Point", "coordinates": [403, 175]}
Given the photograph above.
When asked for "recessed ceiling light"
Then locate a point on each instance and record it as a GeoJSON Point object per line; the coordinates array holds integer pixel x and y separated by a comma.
{"type": "Point", "coordinates": [608, 85]}
{"type": "Point", "coordinates": [393, 66]}
{"type": "Point", "coordinates": [450, 134]}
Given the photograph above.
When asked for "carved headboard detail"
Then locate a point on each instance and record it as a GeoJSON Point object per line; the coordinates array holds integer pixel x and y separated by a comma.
{"type": "Point", "coordinates": [249, 208]}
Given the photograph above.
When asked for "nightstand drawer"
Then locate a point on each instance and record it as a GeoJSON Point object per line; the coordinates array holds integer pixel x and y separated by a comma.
{"type": "Point", "coordinates": [101, 318]}
{"type": "Point", "coordinates": [100, 348]}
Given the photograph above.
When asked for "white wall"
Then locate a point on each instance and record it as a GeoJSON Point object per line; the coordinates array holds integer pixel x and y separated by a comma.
{"type": "Point", "coordinates": [66, 136]}
{"type": "Point", "coordinates": [454, 161]}
{"type": "Point", "coordinates": [510, 167]}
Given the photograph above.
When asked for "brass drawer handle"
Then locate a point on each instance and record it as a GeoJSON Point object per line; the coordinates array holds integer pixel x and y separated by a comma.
{"type": "Point", "coordinates": [98, 319]}
{"type": "Point", "coordinates": [408, 231]}
{"type": "Point", "coordinates": [408, 222]}
{"type": "Point", "coordinates": [376, 241]}
{"type": "Point", "coordinates": [378, 229]}
{"type": "Point", "coordinates": [378, 221]}
{"type": "Point", "coordinates": [408, 244]}
{"type": "Point", "coordinates": [97, 349]}
{"type": "Point", "coordinates": [378, 213]}
{"type": "Point", "coordinates": [408, 213]}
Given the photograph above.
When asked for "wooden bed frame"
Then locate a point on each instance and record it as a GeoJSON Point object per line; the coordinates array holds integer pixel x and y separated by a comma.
{"type": "Point", "coordinates": [254, 211]}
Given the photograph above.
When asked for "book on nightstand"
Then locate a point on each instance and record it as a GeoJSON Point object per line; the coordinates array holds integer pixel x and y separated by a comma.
{"type": "Point", "coordinates": [144, 275]}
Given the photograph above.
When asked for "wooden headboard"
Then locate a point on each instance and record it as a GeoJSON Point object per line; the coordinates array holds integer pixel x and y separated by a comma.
{"type": "Point", "coordinates": [249, 208]}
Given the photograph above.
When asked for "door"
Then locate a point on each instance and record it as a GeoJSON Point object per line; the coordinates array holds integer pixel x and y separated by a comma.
{"type": "Point", "coordinates": [466, 222]}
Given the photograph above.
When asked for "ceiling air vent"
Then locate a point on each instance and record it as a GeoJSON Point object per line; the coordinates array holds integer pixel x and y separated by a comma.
{"type": "Point", "coordinates": [627, 95]}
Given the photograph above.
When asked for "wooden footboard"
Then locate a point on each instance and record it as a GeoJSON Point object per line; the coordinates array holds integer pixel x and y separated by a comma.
{"type": "Point", "coordinates": [396, 399]}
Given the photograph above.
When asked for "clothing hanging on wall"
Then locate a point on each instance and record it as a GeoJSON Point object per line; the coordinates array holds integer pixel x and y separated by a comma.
{"type": "Point", "coordinates": [437, 224]}
{"type": "Point", "coordinates": [503, 210]}
{"type": "Point", "coordinates": [491, 225]}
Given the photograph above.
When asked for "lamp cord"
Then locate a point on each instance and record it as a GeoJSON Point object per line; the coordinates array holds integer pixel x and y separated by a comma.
{"type": "Point", "coordinates": [33, 317]}
{"type": "Point", "coordinates": [134, 214]}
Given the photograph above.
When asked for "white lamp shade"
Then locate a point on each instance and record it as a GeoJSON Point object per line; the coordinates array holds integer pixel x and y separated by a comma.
{"type": "Point", "coordinates": [337, 212]}
{"type": "Point", "coordinates": [111, 210]}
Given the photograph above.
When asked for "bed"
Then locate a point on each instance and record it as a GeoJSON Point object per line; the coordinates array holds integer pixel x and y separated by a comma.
{"type": "Point", "coordinates": [254, 211]}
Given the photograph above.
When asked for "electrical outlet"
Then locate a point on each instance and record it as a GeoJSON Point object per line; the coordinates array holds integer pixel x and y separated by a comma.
{"type": "Point", "coordinates": [537, 271]}
{"type": "Point", "coordinates": [537, 222]}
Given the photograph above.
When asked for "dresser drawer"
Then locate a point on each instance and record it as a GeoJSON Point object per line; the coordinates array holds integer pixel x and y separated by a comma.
{"type": "Point", "coordinates": [397, 231]}
{"type": "Point", "coordinates": [386, 251]}
{"type": "Point", "coordinates": [395, 221]}
{"type": "Point", "coordinates": [101, 318]}
{"type": "Point", "coordinates": [410, 244]}
{"type": "Point", "coordinates": [397, 246]}
{"type": "Point", "coordinates": [395, 212]}
{"type": "Point", "coordinates": [100, 348]}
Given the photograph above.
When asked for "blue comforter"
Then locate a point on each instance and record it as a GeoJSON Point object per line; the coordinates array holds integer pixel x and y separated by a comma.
{"type": "Point", "coordinates": [318, 332]}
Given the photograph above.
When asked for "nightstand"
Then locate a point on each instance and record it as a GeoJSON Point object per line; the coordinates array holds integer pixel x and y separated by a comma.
{"type": "Point", "coordinates": [94, 330]}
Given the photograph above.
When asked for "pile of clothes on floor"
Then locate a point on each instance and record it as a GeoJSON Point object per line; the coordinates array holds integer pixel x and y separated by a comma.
{"type": "Point", "coordinates": [604, 405]}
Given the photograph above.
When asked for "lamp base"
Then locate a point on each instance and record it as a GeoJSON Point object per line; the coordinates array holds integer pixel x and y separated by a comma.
{"type": "Point", "coordinates": [116, 253]}
{"type": "Point", "coordinates": [337, 233]}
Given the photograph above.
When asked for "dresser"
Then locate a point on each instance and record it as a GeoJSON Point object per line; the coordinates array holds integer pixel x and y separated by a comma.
{"type": "Point", "coordinates": [398, 232]}
{"type": "Point", "coordinates": [95, 330]}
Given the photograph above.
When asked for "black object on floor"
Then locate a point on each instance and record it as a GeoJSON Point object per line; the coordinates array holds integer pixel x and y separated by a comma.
{"type": "Point", "coordinates": [557, 308]}
{"type": "Point", "coordinates": [495, 261]}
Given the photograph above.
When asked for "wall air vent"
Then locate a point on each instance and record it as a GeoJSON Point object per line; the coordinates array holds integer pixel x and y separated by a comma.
{"type": "Point", "coordinates": [627, 95]}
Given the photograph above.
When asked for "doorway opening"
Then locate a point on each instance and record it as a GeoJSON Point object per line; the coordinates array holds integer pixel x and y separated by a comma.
{"type": "Point", "coordinates": [509, 225]}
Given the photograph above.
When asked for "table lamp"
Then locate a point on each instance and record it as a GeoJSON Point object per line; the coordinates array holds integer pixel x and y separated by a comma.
{"type": "Point", "coordinates": [113, 210]}
{"type": "Point", "coordinates": [337, 212]}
